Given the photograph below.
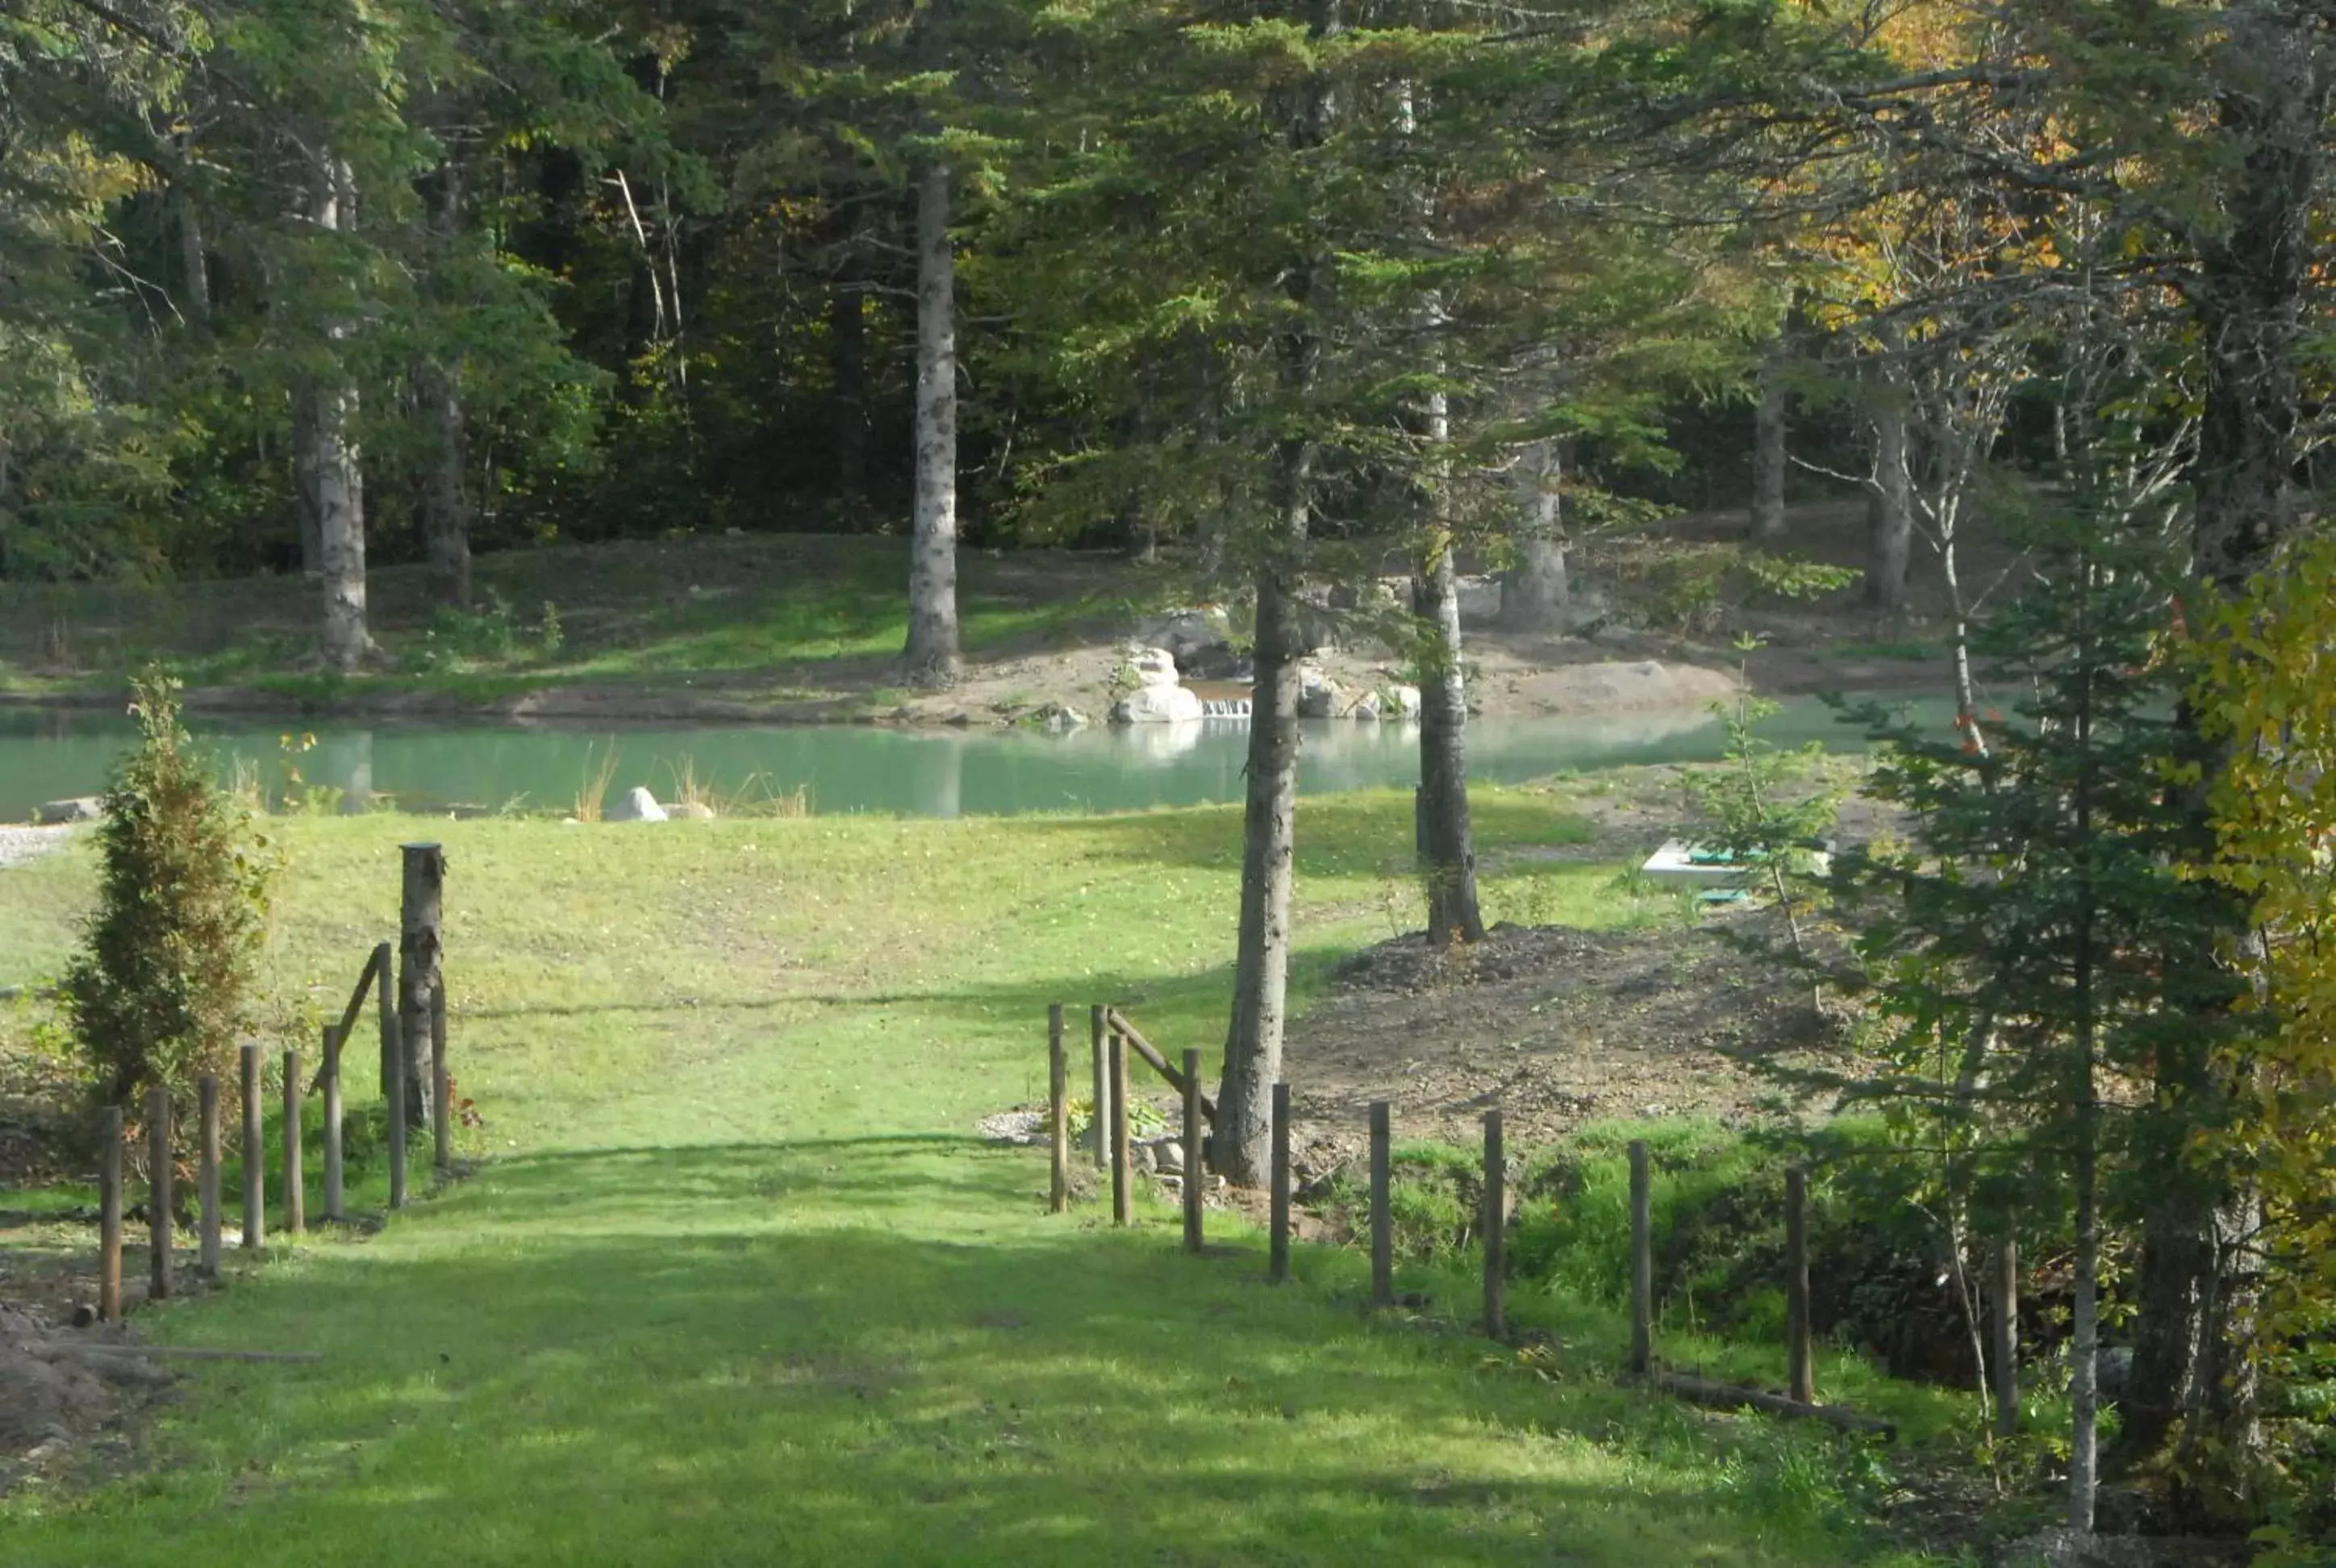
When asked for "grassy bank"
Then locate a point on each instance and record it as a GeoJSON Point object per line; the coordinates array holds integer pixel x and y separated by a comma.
{"type": "Point", "coordinates": [736, 1285]}
{"type": "Point", "coordinates": [766, 617]}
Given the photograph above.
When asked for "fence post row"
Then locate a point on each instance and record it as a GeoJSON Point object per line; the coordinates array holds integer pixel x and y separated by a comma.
{"type": "Point", "coordinates": [1193, 1170]}
{"type": "Point", "coordinates": [108, 1217]}
{"type": "Point", "coordinates": [1277, 1268]}
{"type": "Point", "coordinates": [1496, 1228]}
{"type": "Point", "coordinates": [207, 1179]}
{"type": "Point", "coordinates": [255, 1157]}
{"type": "Point", "coordinates": [1642, 1260]}
{"type": "Point", "coordinates": [1382, 1215]}
{"type": "Point", "coordinates": [1058, 1115]}
{"type": "Point", "coordinates": [158, 1195]}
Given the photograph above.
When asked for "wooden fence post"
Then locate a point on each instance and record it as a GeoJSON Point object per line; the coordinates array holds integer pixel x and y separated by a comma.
{"type": "Point", "coordinates": [2007, 1340]}
{"type": "Point", "coordinates": [207, 1177]}
{"type": "Point", "coordinates": [109, 1218]}
{"type": "Point", "coordinates": [1800, 1372]}
{"type": "Point", "coordinates": [398, 1139]}
{"type": "Point", "coordinates": [1194, 1173]}
{"type": "Point", "coordinates": [384, 996]}
{"type": "Point", "coordinates": [335, 1207]}
{"type": "Point", "coordinates": [158, 1195]}
{"type": "Point", "coordinates": [1277, 1268]}
{"type": "Point", "coordinates": [295, 1196]}
{"type": "Point", "coordinates": [255, 1157]}
{"type": "Point", "coordinates": [1643, 1260]}
{"type": "Point", "coordinates": [1123, 1176]}
{"type": "Point", "coordinates": [441, 1086]}
{"type": "Point", "coordinates": [1096, 1041]}
{"type": "Point", "coordinates": [1382, 1211]}
{"type": "Point", "coordinates": [1496, 1229]}
{"type": "Point", "coordinates": [1059, 1114]}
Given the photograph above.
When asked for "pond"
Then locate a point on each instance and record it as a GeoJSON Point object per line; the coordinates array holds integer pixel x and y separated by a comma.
{"type": "Point", "coordinates": [481, 766]}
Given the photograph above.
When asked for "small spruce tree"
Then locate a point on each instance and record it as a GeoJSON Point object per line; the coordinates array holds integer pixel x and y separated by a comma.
{"type": "Point", "coordinates": [159, 990]}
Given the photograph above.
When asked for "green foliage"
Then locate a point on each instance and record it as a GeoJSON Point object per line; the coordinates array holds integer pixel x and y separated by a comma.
{"type": "Point", "coordinates": [1772, 807]}
{"type": "Point", "coordinates": [163, 981]}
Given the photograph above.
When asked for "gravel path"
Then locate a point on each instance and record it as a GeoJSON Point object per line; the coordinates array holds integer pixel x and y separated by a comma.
{"type": "Point", "coordinates": [19, 845]}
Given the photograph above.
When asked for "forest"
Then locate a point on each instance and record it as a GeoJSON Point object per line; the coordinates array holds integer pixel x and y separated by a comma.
{"type": "Point", "coordinates": [1291, 291]}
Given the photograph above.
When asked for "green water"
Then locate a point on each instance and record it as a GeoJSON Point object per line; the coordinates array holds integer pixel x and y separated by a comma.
{"type": "Point", "coordinates": [950, 773]}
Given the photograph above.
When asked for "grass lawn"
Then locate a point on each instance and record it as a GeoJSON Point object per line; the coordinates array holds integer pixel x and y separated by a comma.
{"type": "Point", "coordinates": [736, 1285]}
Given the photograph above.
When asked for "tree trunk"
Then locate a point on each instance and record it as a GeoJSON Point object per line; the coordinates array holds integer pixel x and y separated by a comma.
{"type": "Point", "coordinates": [445, 504]}
{"type": "Point", "coordinates": [1447, 845]}
{"type": "Point", "coordinates": [932, 657]}
{"type": "Point", "coordinates": [1890, 513]}
{"type": "Point", "coordinates": [194, 270]}
{"type": "Point", "coordinates": [1768, 462]}
{"type": "Point", "coordinates": [330, 459]}
{"type": "Point", "coordinates": [307, 509]}
{"type": "Point", "coordinates": [847, 360]}
{"type": "Point", "coordinates": [1242, 1144]}
{"type": "Point", "coordinates": [1535, 595]}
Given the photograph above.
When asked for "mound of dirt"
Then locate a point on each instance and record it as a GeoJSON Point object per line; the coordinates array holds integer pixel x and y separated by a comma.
{"type": "Point", "coordinates": [1554, 1027]}
{"type": "Point", "coordinates": [59, 1389]}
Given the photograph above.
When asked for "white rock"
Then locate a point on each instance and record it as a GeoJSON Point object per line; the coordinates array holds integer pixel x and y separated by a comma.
{"type": "Point", "coordinates": [638, 806]}
{"type": "Point", "coordinates": [1366, 707]}
{"type": "Point", "coordinates": [1168, 1157]}
{"type": "Point", "coordinates": [79, 809]}
{"type": "Point", "coordinates": [1170, 704]}
{"type": "Point", "coordinates": [1061, 718]}
{"type": "Point", "coordinates": [1406, 701]}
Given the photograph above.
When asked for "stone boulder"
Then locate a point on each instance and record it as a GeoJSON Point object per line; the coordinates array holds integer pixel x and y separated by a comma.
{"type": "Point", "coordinates": [1060, 718]}
{"type": "Point", "coordinates": [1405, 701]}
{"type": "Point", "coordinates": [1480, 600]}
{"type": "Point", "coordinates": [638, 806]}
{"type": "Point", "coordinates": [1318, 697]}
{"type": "Point", "coordinates": [1366, 707]}
{"type": "Point", "coordinates": [79, 809]}
{"type": "Point", "coordinates": [1153, 665]}
{"type": "Point", "coordinates": [1189, 631]}
{"type": "Point", "coordinates": [1156, 704]}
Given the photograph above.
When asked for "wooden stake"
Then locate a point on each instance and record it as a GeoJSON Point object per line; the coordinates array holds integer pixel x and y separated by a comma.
{"type": "Point", "coordinates": [384, 997]}
{"type": "Point", "coordinates": [1382, 1212]}
{"type": "Point", "coordinates": [441, 1086]}
{"type": "Point", "coordinates": [109, 1218]}
{"type": "Point", "coordinates": [158, 1195]}
{"type": "Point", "coordinates": [1095, 1033]}
{"type": "Point", "coordinates": [1122, 1176]}
{"type": "Point", "coordinates": [1730, 1397]}
{"type": "Point", "coordinates": [1496, 1229]}
{"type": "Point", "coordinates": [2007, 1340]}
{"type": "Point", "coordinates": [1643, 1260]}
{"type": "Point", "coordinates": [255, 1157]}
{"type": "Point", "coordinates": [295, 1196]}
{"type": "Point", "coordinates": [1800, 1379]}
{"type": "Point", "coordinates": [1277, 1268]}
{"type": "Point", "coordinates": [336, 1209]}
{"type": "Point", "coordinates": [1059, 1114]}
{"type": "Point", "coordinates": [393, 1027]}
{"type": "Point", "coordinates": [1194, 1132]}
{"type": "Point", "coordinates": [207, 1177]}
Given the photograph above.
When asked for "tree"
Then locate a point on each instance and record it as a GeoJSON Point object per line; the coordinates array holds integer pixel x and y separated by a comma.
{"type": "Point", "coordinates": [159, 989]}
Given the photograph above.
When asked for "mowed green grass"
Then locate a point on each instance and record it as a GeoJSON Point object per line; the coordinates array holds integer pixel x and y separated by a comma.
{"type": "Point", "coordinates": [736, 1283]}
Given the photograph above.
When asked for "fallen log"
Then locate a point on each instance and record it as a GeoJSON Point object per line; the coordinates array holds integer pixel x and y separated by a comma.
{"type": "Point", "coordinates": [196, 1353]}
{"type": "Point", "coordinates": [1735, 1395]}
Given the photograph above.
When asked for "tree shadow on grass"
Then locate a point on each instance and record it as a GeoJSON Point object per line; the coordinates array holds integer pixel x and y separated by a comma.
{"type": "Point", "coordinates": [788, 1375]}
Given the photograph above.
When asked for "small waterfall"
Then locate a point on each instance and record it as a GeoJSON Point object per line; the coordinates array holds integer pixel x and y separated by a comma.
{"type": "Point", "coordinates": [1224, 707]}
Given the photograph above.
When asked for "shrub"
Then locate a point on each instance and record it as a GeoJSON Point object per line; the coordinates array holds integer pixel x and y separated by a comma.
{"type": "Point", "coordinates": [159, 990]}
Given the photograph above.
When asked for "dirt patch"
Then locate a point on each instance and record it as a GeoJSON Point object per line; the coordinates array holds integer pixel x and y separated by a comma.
{"type": "Point", "coordinates": [66, 1396]}
{"type": "Point", "coordinates": [1554, 1027]}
